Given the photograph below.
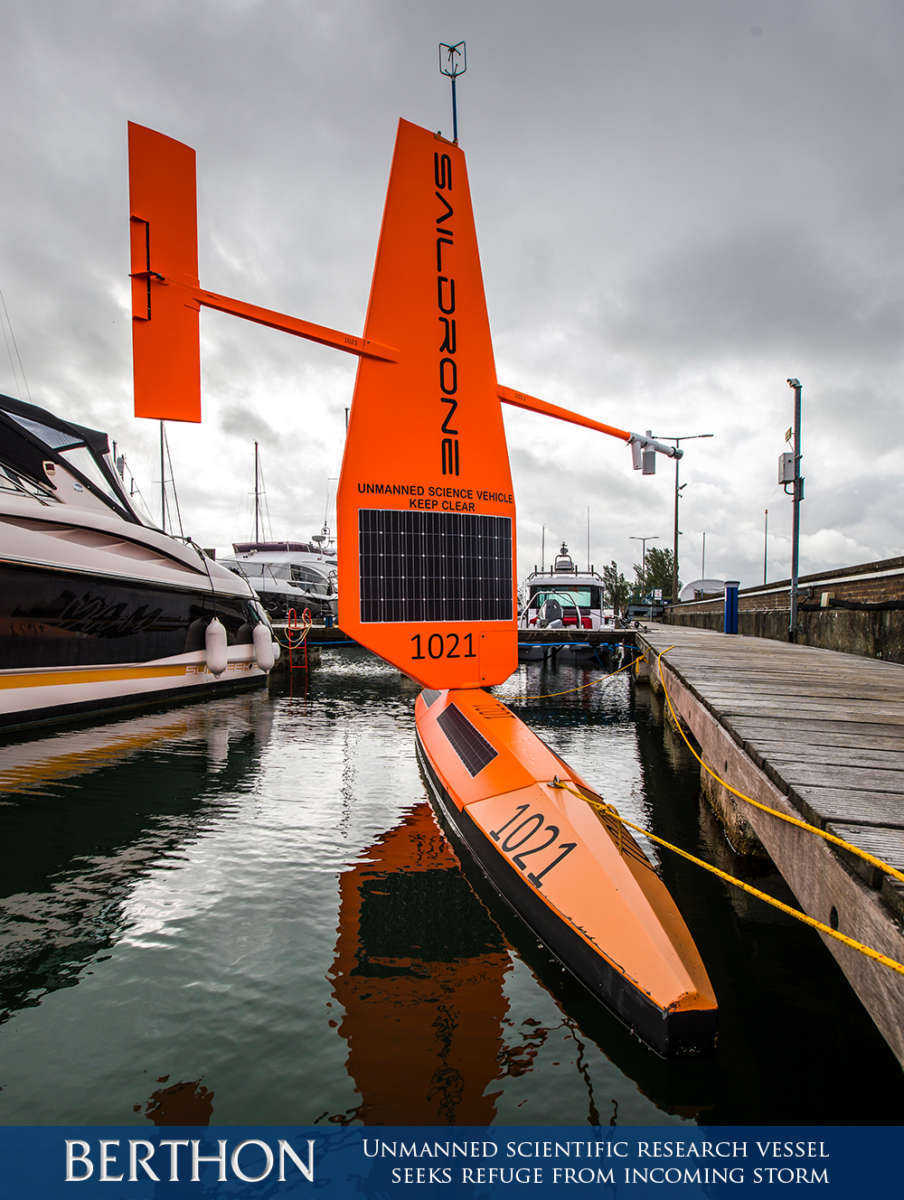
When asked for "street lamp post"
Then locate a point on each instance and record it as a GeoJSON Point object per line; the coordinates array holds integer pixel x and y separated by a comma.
{"type": "Point", "coordinates": [797, 494]}
{"type": "Point", "coordinates": [643, 563]}
{"type": "Point", "coordinates": [688, 437]}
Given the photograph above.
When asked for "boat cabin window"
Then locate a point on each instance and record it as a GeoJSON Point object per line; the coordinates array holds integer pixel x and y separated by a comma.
{"type": "Point", "coordinates": [56, 439]}
{"type": "Point", "coordinates": [274, 570]}
{"type": "Point", "coordinates": [12, 481]}
{"type": "Point", "coordinates": [314, 580]}
{"type": "Point", "coordinates": [584, 597]}
{"type": "Point", "coordinates": [82, 459]}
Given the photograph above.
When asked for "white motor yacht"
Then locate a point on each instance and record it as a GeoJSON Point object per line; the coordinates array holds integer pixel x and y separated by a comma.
{"type": "Point", "coordinates": [563, 597]}
{"type": "Point", "coordinates": [98, 608]}
{"type": "Point", "coordinates": [289, 575]}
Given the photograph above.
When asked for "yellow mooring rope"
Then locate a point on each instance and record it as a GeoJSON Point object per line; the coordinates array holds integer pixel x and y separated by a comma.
{"type": "Point", "coordinates": [582, 688]}
{"type": "Point", "coordinates": [303, 629]}
{"type": "Point", "coordinates": [828, 837]}
{"type": "Point", "coordinates": [598, 802]}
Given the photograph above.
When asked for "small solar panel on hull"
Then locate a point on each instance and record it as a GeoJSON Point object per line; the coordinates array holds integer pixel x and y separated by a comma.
{"type": "Point", "coordinates": [472, 748]}
{"type": "Point", "coordinates": [422, 566]}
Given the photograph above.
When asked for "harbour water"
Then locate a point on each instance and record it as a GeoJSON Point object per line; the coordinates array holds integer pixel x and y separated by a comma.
{"type": "Point", "coordinates": [244, 912]}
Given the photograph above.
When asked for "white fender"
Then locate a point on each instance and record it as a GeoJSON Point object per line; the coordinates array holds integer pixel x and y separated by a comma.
{"type": "Point", "coordinates": [277, 651]}
{"type": "Point", "coordinates": [215, 646]}
{"type": "Point", "coordinates": [262, 638]}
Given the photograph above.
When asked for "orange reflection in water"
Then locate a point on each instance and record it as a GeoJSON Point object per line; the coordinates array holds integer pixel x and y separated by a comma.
{"type": "Point", "coordinates": [419, 969]}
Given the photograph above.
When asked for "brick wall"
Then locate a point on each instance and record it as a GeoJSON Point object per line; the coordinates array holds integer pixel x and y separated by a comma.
{"type": "Point", "coordinates": [763, 612]}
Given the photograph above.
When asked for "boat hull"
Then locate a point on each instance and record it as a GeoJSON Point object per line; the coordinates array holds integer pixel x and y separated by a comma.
{"type": "Point", "coordinates": [45, 696]}
{"type": "Point", "coordinates": [581, 656]}
{"type": "Point", "coordinates": [639, 961]}
{"type": "Point", "coordinates": [72, 643]}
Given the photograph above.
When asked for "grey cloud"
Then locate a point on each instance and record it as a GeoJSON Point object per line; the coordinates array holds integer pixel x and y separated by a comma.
{"type": "Point", "coordinates": [673, 215]}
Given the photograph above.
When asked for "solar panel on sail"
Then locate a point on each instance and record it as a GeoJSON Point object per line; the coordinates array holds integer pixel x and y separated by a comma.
{"type": "Point", "coordinates": [417, 566]}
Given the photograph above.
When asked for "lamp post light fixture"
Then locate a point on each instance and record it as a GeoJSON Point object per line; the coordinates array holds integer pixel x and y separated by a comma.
{"type": "Point", "coordinates": [796, 480]}
{"type": "Point", "coordinates": [688, 437]}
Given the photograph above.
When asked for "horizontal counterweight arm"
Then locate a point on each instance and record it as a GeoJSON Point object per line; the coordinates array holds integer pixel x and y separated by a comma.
{"type": "Point", "coordinates": [368, 348]}
{"type": "Point", "coordinates": [534, 404]}
{"type": "Point", "coordinates": [362, 347]}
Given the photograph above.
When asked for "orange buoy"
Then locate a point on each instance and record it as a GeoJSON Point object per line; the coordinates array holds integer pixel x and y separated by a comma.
{"type": "Point", "coordinates": [579, 881]}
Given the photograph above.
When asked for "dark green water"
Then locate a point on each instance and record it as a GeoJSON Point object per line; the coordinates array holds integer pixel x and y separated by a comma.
{"type": "Point", "coordinates": [242, 911]}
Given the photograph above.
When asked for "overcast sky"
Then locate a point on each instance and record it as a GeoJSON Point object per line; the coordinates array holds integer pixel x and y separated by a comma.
{"type": "Point", "coordinates": [678, 205]}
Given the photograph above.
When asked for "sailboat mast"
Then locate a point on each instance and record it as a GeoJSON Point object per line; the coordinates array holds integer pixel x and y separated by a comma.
{"type": "Point", "coordinates": [162, 484]}
{"type": "Point", "coordinates": [257, 494]}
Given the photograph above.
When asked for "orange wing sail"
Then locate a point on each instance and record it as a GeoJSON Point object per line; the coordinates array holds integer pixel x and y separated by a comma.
{"type": "Point", "coordinates": [425, 505]}
{"type": "Point", "coordinates": [164, 234]}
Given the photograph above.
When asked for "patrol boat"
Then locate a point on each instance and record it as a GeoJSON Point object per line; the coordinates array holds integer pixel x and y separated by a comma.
{"type": "Point", "coordinates": [564, 597]}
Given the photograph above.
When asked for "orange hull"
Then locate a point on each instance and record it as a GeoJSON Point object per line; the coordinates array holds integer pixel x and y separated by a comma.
{"type": "Point", "coordinates": [581, 883]}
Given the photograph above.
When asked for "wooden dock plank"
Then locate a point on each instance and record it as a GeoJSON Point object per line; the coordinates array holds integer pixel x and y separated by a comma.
{"type": "Point", "coordinates": [884, 842]}
{"type": "Point", "coordinates": [820, 805]}
{"type": "Point", "coordinates": [842, 713]}
{"type": "Point", "coordinates": [857, 777]}
{"type": "Point", "coordinates": [844, 689]}
{"type": "Point", "coordinates": [831, 753]}
{"type": "Point", "coordinates": [831, 733]}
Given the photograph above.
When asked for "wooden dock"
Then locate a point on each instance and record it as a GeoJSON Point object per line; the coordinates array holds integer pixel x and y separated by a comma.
{"type": "Point", "coordinates": [815, 734]}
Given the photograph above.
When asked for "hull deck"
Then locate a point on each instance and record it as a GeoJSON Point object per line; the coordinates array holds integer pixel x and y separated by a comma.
{"type": "Point", "coordinates": [579, 881]}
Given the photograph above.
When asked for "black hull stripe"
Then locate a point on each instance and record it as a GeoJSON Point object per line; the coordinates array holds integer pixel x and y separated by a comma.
{"type": "Point", "coordinates": [669, 1034]}
{"type": "Point", "coordinates": [65, 619]}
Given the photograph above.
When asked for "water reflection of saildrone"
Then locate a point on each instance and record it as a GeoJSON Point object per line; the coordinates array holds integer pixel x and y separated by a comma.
{"type": "Point", "coordinates": [419, 970]}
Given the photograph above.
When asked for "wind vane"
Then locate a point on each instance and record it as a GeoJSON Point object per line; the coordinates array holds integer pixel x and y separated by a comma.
{"type": "Point", "coordinates": [453, 61]}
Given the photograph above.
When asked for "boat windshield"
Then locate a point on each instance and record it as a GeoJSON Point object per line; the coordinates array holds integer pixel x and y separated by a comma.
{"type": "Point", "coordinates": [32, 437]}
{"type": "Point", "coordinates": [253, 567]}
{"type": "Point", "coordinates": [83, 460]}
{"type": "Point", "coordinates": [584, 597]}
{"type": "Point", "coordinates": [307, 578]}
